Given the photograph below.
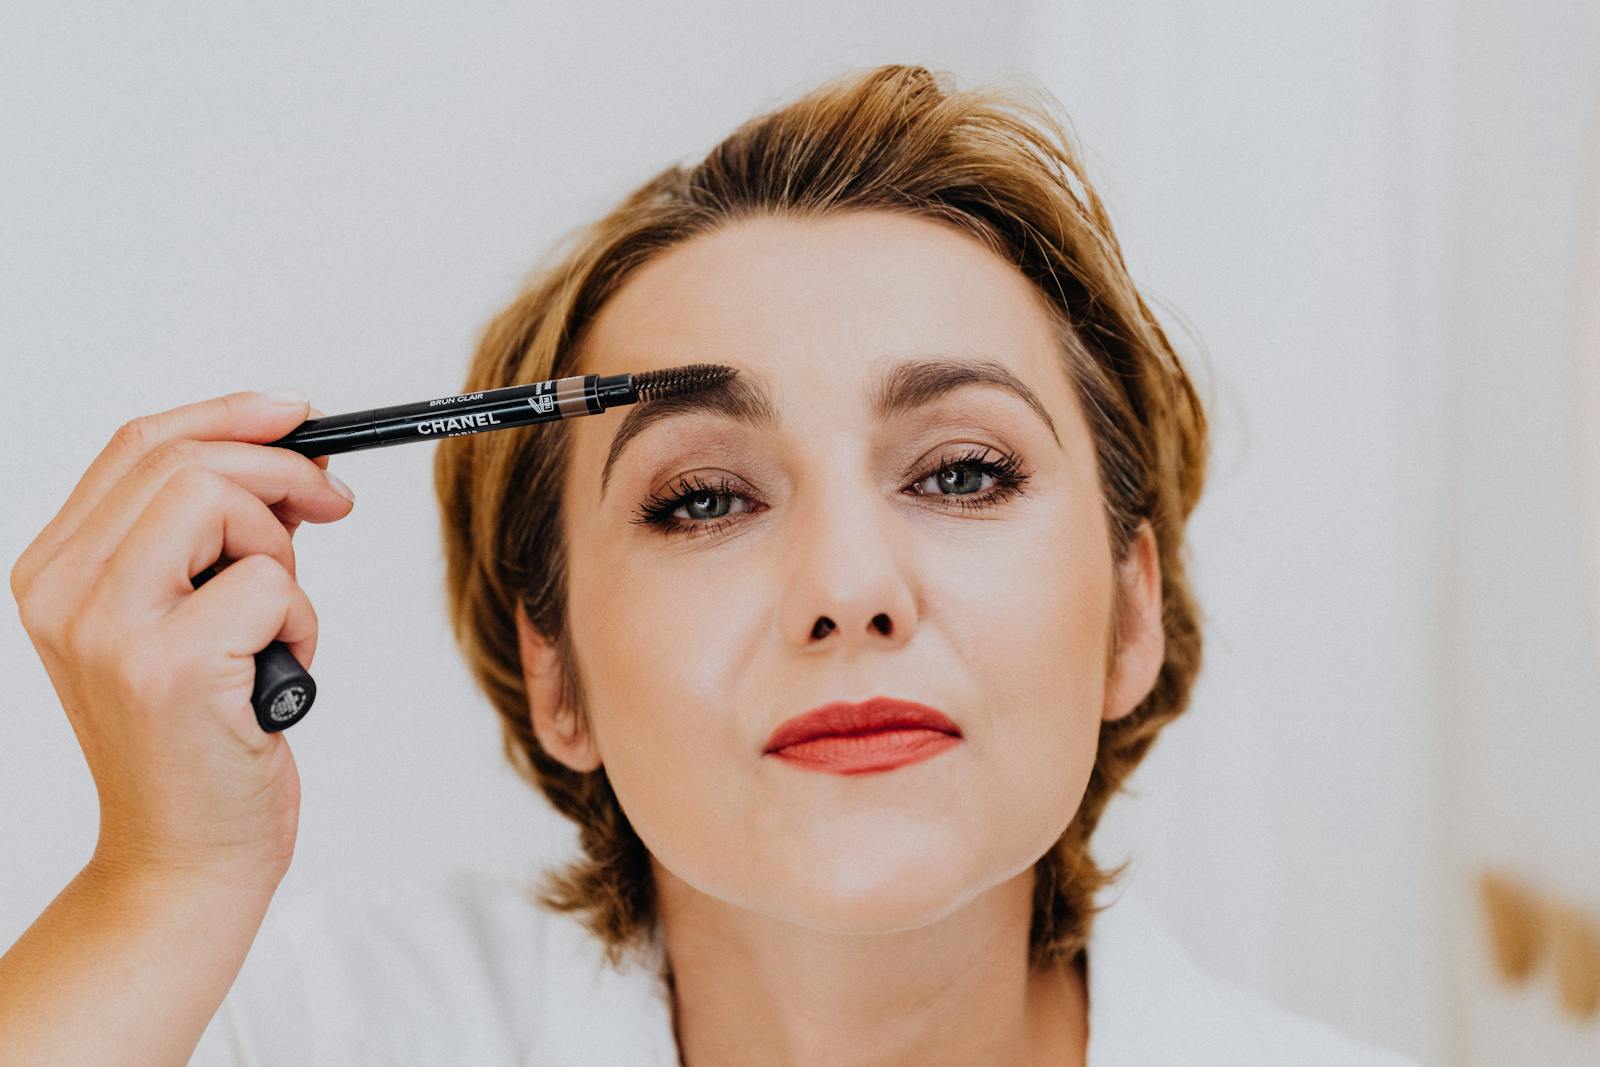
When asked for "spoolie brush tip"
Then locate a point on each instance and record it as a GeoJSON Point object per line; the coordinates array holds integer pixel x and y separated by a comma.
{"type": "Point", "coordinates": [676, 381]}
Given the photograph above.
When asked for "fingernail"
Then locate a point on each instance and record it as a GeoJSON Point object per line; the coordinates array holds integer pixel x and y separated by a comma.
{"type": "Point", "coordinates": [339, 487]}
{"type": "Point", "coordinates": [284, 396]}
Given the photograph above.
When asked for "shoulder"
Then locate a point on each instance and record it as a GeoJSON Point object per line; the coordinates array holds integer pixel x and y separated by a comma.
{"type": "Point", "coordinates": [463, 966]}
{"type": "Point", "coordinates": [1149, 1002]}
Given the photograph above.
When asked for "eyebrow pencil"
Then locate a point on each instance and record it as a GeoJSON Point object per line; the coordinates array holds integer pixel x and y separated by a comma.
{"type": "Point", "coordinates": [494, 409]}
{"type": "Point", "coordinates": [283, 689]}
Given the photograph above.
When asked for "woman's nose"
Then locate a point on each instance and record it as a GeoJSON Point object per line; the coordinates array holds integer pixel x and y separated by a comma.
{"type": "Point", "coordinates": [881, 622]}
{"type": "Point", "coordinates": [852, 578]}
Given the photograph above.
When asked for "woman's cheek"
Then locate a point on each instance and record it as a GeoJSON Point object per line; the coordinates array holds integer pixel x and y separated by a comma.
{"type": "Point", "coordinates": [1043, 666]}
{"type": "Point", "coordinates": [666, 700]}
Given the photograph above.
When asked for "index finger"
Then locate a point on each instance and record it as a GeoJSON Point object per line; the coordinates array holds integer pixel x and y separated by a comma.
{"type": "Point", "coordinates": [246, 415]}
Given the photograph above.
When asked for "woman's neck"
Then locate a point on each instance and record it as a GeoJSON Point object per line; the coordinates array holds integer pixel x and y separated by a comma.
{"type": "Point", "coordinates": [748, 988]}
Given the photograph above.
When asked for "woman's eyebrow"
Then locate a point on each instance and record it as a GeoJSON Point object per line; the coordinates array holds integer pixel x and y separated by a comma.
{"type": "Point", "coordinates": [901, 388]}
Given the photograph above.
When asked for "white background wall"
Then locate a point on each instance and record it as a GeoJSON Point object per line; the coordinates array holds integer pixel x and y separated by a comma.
{"type": "Point", "coordinates": [1519, 684]}
{"type": "Point", "coordinates": [1354, 218]}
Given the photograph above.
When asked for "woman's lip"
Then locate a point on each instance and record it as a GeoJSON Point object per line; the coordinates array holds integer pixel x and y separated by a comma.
{"type": "Point", "coordinates": [844, 719]}
{"type": "Point", "coordinates": [866, 753]}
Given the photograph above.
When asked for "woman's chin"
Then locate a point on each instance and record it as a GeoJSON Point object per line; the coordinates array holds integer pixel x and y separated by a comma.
{"type": "Point", "coordinates": [854, 879]}
{"type": "Point", "coordinates": [881, 892]}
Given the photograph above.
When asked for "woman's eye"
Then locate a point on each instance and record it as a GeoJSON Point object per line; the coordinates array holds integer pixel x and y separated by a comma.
{"type": "Point", "coordinates": [709, 504]}
{"type": "Point", "coordinates": [955, 479]}
{"type": "Point", "coordinates": [695, 508]}
{"type": "Point", "coordinates": [704, 508]}
{"type": "Point", "coordinates": [960, 480]}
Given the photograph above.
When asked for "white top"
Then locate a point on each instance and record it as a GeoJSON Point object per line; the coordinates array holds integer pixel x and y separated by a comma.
{"type": "Point", "coordinates": [467, 969]}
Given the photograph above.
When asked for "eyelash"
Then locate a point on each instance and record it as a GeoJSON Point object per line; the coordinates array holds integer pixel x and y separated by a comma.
{"type": "Point", "coordinates": [1006, 471]}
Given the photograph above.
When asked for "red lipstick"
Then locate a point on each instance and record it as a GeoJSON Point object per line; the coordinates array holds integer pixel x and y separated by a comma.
{"type": "Point", "coordinates": [875, 735]}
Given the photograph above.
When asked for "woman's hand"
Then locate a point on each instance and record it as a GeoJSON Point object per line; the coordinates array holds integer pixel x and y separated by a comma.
{"type": "Point", "coordinates": [154, 674]}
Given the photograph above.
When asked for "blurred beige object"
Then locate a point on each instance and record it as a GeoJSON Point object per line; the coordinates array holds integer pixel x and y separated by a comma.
{"type": "Point", "coordinates": [1516, 925]}
{"type": "Point", "coordinates": [1575, 946]}
{"type": "Point", "coordinates": [1522, 929]}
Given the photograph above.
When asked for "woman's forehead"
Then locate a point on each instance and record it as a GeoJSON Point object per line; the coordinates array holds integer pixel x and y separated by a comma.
{"type": "Point", "coordinates": [830, 303]}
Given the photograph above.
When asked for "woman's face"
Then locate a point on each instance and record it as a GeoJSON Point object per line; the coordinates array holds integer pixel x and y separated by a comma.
{"type": "Point", "coordinates": [696, 634]}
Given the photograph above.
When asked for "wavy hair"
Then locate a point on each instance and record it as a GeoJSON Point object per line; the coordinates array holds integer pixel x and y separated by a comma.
{"type": "Point", "coordinates": [1000, 164]}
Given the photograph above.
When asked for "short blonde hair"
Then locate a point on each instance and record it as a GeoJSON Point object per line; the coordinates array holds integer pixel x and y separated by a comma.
{"type": "Point", "coordinates": [1001, 166]}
